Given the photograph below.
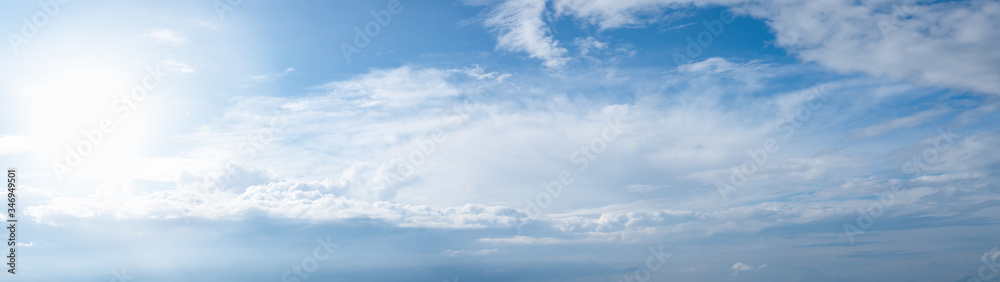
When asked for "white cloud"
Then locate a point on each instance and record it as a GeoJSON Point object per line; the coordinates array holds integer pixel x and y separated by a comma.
{"type": "Point", "coordinates": [643, 188]}
{"type": "Point", "coordinates": [948, 178]}
{"type": "Point", "coordinates": [175, 66]}
{"type": "Point", "coordinates": [204, 24]}
{"type": "Point", "coordinates": [680, 26]}
{"type": "Point", "coordinates": [589, 44]}
{"type": "Point", "coordinates": [336, 161]}
{"type": "Point", "coordinates": [166, 36]}
{"type": "Point", "coordinates": [954, 41]}
{"type": "Point", "coordinates": [519, 26]}
{"type": "Point", "coordinates": [903, 122]}
{"type": "Point", "coordinates": [714, 64]}
{"type": "Point", "coordinates": [395, 87]}
{"type": "Point", "coordinates": [14, 144]}
{"type": "Point", "coordinates": [610, 14]}
{"type": "Point", "coordinates": [304, 201]}
{"type": "Point", "coordinates": [524, 240]}
{"type": "Point", "coordinates": [991, 256]}
{"type": "Point", "coordinates": [948, 44]}
{"type": "Point", "coordinates": [739, 266]}
{"type": "Point", "coordinates": [465, 252]}
{"type": "Point", "coordinates": [270, 77]}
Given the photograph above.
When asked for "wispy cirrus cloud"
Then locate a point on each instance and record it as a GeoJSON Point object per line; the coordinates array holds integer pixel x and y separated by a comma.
{"type": "Point", "coordinates": [903, 122]}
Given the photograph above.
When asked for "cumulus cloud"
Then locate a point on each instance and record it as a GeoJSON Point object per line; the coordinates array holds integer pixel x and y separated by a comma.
{"type": "Point", "coordinates": [303, 201]}
{"type": "Point", "coordinates": [449, 163]}
{"type": "Point", "coordinates": [346, 158]}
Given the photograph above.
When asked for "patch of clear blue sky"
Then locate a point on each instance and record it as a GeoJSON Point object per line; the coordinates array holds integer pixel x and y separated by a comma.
{"type": "Point", "coordinates": [308, 37]}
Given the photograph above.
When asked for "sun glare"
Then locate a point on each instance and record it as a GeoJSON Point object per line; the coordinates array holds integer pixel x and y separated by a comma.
{"type": "Point", "coordinates": [71, 111]}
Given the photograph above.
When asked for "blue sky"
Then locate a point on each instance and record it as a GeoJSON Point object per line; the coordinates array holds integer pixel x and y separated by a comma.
{"type": "Point", "coordinates": [504, 140]}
